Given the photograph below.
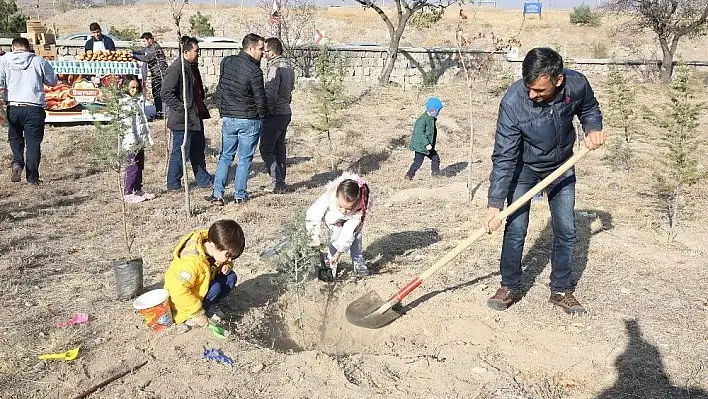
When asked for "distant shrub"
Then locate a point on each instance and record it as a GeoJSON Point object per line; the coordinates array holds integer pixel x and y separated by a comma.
{"type": "Point", "coordinates": [200, 26]}
{"type": "Point", "coordinates": [599, 50]}
{"type": "Point", "coordinates": [126, 34]}
{"type": "Point", "coordinates": [584, 15]}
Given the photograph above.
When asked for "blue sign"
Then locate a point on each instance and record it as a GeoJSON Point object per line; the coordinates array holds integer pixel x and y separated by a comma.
{"type": "Point", "coordinates": [532, 8]}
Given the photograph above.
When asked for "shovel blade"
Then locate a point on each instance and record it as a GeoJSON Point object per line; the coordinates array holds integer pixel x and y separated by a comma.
{"type": "Point", "coordinates": [362, 312]}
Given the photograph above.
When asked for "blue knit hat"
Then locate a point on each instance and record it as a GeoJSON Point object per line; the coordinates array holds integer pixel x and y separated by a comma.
{"type": "Point", "coordinates": [433, 103]}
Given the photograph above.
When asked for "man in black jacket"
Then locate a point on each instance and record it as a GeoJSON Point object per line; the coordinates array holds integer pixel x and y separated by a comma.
{"type": "Point", "coordinates": [535, 135]}
{"type": "Point", "coordinates": [196, 113]}
{"type": "Point", "coordinates": [242, 105]}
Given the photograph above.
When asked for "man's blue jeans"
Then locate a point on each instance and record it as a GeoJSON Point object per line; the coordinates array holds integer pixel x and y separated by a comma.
{"type": "Point", "coordinates": [237, 135]}
{"type": "Point", "coordinates": [219, 288]}
{"type": "Point", "coordinates": [561, 199]}
{"type": "Point", "coordinates": [194, 148]}
{"type": "Point", "coordinates": [26, 125]}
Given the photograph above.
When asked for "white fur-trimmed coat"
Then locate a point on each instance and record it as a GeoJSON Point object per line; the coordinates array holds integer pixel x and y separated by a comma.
{"type": "Point", "coordinates": [326, 209]}
{"type": "Point", "coordinates": [137, 133]}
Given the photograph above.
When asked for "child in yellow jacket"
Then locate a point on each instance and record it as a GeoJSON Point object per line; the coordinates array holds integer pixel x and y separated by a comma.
{"type": "Point", "coordinates": [202, 273]}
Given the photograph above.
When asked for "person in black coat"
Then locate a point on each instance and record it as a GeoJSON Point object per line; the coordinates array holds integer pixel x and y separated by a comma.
{"type": "Point", "coordinates": [242, 105]}
{"type": "Point", "coordinates": [196, 112]}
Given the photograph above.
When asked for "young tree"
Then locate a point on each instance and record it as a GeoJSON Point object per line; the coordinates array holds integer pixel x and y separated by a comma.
{"type": "Point", "coordinates": [620, 113]}
{"type": "Point", "coordinates": [330, 96]}
{"type": "Point", "coordinates": [200, 26]}
{"type": "Point", "coordinates": [177, 6]}
{"type": "Point", "coordinates": [478, 66]}
{"type": "Point", "coordinates": [679, 164]}
{"type": "Point", "coordinates": [671, 21]}
{"type": "Point", "coordinates": [12, 22]}
{"type": "Point", "coordinates": [425, 12]}
{"type": "Point", "coordinates": [109, 150]}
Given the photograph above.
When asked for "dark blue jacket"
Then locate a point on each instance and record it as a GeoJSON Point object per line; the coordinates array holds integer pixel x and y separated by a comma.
{"type": "Point", "coordinates": [241, 90]}
{"type": "Point", "coordinates": [541, 136]}
{"type": "Point", "coordinates": [107, 43]}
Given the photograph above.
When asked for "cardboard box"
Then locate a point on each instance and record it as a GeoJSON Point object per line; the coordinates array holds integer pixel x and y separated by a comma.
{"type": "Point", "coordinates": [47, 38]}
{"type": "Point", "coordinates": [48, 51]}
{"type": "Point", "coordinates": [32, 37]}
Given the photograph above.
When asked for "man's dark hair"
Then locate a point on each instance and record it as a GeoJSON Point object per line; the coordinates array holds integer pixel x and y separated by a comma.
{"type": "Point", "coordinates": [275, 45]}
{"type": "Point", "coordinates": [21, 42]}
{"type": "Point", "coordinates": [94, 26]}
{"type": "Point", "coordinates": [146, 35]}
{"type": "Point", "coordinates": [541, 61]}
{"type": "Point", "coordinates": [227, 235]}
{"type": "Point", "coordinates": [251, 40]}
{"type": "Point", "coordinates": [188, 42]}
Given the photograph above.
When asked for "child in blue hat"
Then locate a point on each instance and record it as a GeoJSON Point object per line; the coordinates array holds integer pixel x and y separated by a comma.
{"type": "Point", "coordinates": [423, 139]}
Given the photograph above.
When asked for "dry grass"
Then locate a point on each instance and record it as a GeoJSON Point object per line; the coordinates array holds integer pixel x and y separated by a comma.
{"type": "Point", "coordinates": [58, 241]}
{"type": "Point", "coordinates": [354, 24]}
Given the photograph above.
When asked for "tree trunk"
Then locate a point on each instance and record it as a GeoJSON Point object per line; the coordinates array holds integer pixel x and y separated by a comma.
{"type": "Point", "coordinates": [385, 76]}
{"type": "Point", "coordinates": [674, 212]}
{"type": "Point", "coordinates": [470, 174]}
{"type": "Point", "coordinates": [124, 210]}
{"type": "Point", "coordinates": [124, 217]}
{"type": "Point", "coordinates": [667, 62]}
{"type": "Point", "coordinates": [395, 35]}
{"type": "Point", "coordinates": [185, 175]}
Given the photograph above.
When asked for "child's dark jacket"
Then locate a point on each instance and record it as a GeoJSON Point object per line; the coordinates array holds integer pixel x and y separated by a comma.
{"type": "Point", "coordinates": [424, 132]}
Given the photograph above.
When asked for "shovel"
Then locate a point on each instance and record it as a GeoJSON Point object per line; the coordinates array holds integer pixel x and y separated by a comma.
{"type": "Point", "coordinates": [217, 331]}
{"type": "Point", "coordinates": [66, 356]}
{"type": "Point", "coordinates": [370, 311]}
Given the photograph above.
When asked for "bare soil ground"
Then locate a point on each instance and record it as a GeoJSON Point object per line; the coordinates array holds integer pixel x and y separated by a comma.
{"type": "Point", "coordinates": [355, 24]}
{"type": "Point", "coordinates": [645, 334]}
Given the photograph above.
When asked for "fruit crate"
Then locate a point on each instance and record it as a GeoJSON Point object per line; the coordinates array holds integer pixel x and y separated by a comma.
{"type": "Point", "coordinates": [98, 68]}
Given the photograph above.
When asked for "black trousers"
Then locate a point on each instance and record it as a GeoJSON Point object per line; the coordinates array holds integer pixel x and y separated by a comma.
{"type": "Point", "coordinates": [418, 162]}
{"type": "Point", "coordinates": [272, 146]}
{"type": "Point", "coordinates": [26, 130]}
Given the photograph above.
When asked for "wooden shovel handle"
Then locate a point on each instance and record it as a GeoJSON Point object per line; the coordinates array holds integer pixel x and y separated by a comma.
{"type": "Point", "coordinates": [481, 231]}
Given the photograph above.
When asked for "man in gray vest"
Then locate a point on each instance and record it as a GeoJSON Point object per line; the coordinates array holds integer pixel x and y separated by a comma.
{"type": "Point", "coordinates": [279, 84]}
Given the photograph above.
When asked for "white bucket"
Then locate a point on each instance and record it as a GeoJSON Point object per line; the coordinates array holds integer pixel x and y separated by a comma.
{"type": "Point", "coordinates": [155, 307]}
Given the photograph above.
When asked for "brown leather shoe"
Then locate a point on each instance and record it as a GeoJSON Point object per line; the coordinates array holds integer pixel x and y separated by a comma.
{"type": "Point", "coordinates": [504, 298]}
{"type": "Point", "coordinates": [16, 173]}
{"type": "Point", "coordinates": [567, 302]}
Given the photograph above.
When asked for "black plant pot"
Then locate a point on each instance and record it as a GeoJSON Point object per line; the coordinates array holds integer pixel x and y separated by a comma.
{"type": "Point", "coordinates": [129, 277]}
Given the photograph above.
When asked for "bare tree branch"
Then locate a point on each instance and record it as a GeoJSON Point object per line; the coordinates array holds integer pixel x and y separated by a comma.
{"type": "Point", "coordinates": [382, 14]}
{"type": "Point", "coordinates": [428, 10]}
{"type": "Point", "coordinates": [405, 5]}
{"type": "Point", "coordinates": [670, 20]}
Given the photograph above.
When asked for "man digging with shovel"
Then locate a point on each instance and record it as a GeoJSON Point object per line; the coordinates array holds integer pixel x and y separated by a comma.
{"type": "Point", "coordinates": [535, 135]}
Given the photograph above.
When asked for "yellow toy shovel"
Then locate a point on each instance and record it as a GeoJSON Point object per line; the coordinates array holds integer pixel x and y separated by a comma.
{"type": "Point", "coordinates": [66, 356]}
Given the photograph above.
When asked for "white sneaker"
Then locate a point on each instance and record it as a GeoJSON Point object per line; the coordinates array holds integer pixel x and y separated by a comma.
{"type": "Point", "coordinates": [145, 195]}
{"type": "Point", "coordinates": [361, 269]}
{"type": "Point", "coordinates": [148, 196]}
{"type": "Point", "coordinates": [132, 199]}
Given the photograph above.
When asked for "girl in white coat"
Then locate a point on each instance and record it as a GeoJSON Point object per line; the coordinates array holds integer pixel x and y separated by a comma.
{"type": "Point", "coordinates": [343, 208]}
{"type": "Point", "coordinates": [135, 138]}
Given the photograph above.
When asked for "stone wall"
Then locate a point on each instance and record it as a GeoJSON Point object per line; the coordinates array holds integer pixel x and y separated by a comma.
{"type": "Point", "coordinates": [361, 65]}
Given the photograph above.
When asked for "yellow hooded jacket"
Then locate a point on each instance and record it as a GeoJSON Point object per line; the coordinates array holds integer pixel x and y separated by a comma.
{"type": "Point", "coordinates": [189, 275]}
